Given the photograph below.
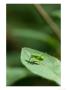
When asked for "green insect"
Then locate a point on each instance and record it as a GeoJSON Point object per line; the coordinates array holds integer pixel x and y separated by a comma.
{"type": "Point", "coordinates": [35, 59]}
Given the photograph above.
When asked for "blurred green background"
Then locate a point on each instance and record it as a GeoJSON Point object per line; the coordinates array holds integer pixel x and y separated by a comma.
{"type": "Point", "coordinates": [26, 28]}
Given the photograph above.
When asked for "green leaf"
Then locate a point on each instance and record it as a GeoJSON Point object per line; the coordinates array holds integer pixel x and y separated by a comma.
{"type": "Point", "coordinates": [19, 34]}
{"type": "Point", "coordinates": [56, 13]}
{"type": "Point", "coordinates": [14, 74]}
{"type": "Point", "coordinates": [41, 64]}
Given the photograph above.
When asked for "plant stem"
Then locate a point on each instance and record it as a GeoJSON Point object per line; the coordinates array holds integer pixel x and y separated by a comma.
{"type": "Point", "coordinates": [48, 19]}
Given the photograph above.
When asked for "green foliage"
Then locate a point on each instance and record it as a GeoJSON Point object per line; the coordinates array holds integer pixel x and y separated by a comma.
{"type": "Point", "coordinates": [14, 74]}
{"type": "Point", "coordinates": [26, 28]}
{"type": "Point", "coordinates": [13, 59]}
{"type": "Point", "coordinates": [56, 13]}
{"type": "Point", "coordinates": [48, 67]}
{"type": "Point", "coordinates": [34, 35]}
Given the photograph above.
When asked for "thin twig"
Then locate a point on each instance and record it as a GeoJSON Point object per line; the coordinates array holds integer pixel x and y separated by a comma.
{"type": "Point", "coordinates": [48, 19]}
